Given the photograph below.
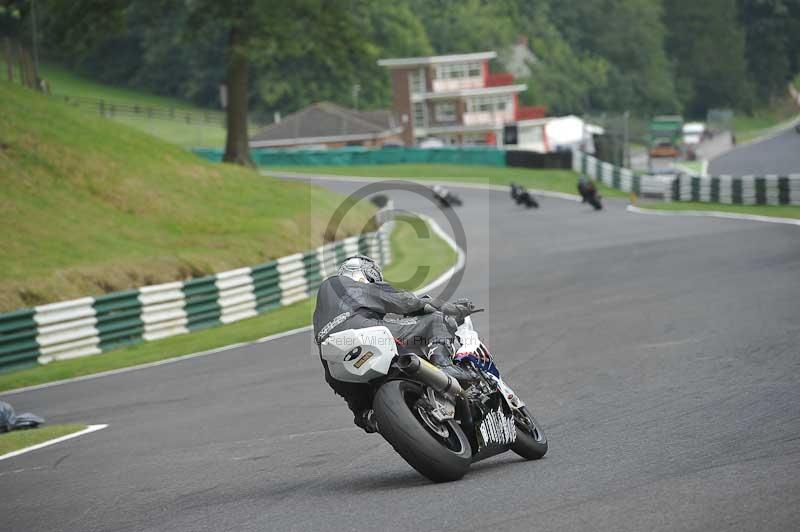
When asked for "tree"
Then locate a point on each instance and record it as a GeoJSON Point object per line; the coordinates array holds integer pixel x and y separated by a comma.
{"type": "Point", "coordinates": [629, 35]}
{"type": "Point", "coordinates": [772, 29]}
{"type": "Point", "coordinates": [461, 26]}
{"type": "Point", "coordinates": [290, 81]}
{"type": "Point", "coordinates": [263, 32]}
{"type": "Point", "coordinates": [706, 44]}
{"type": "Point", "coordinates": [561, 78]}
{"type": "Point", "coordinates": [258, 34]}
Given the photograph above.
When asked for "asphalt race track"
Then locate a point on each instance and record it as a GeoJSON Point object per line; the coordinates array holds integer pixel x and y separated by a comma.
{"type": "Point", "coordinates": [777, 155]}
{"type": "Point", "coordinates": [659, 353]}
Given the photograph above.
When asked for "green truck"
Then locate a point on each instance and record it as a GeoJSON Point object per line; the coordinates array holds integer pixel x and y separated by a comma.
{"type": "Point", "coordinates": [665, 136]}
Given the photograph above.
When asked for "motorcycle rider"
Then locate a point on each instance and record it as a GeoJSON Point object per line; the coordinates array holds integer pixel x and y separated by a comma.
{"type": "Point", "coordinates": [357, 297]}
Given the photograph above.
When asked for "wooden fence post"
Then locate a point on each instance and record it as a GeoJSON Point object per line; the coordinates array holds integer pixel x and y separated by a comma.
{"type": "Point", "coordinates": [33, 81]}
{"type": "Point", "coordinates": [23, 75]}
{"type": "Point", "coordinates": [9, 59]}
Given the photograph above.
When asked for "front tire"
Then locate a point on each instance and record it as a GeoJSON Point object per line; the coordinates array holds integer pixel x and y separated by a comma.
{"type": "Point", "coordinates": [440, 458]}
{"type": "Point", "coordinates": [531, 443]}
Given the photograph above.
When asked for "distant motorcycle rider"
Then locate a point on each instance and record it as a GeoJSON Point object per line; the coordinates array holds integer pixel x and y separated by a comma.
{"type": "Point", "coordinates": [357, 297]}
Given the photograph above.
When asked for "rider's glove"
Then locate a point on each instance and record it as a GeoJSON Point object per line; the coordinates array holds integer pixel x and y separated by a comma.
{"type": "Point", "coordinates": [460, 309]}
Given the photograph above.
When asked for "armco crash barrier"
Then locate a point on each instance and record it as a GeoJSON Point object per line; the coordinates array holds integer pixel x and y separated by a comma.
{"type": "Point", "coordinates": [746, 190]}
{"type": "Point", "coordinates": [621, 178]}
{"type": "Point", "coordinates": [92, 325]}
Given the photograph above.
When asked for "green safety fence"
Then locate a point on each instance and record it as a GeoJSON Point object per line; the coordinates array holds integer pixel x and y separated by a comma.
{"type": "Point", "coordinates": [476, 155]}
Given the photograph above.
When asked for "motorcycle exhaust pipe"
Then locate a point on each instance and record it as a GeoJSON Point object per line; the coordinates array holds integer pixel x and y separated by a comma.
{"type": "Point", "coordinates": [427, 373]}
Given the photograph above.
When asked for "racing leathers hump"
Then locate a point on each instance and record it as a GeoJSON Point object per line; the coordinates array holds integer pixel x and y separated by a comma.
{"type": "Point", "coordinates": [340, 298]}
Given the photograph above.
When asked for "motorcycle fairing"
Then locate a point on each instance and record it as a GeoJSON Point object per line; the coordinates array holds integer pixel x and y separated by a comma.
{"type": "Point", "coordinates": [359, 355]}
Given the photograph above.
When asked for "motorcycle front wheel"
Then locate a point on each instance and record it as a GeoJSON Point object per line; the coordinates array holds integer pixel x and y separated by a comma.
{"type": "Point", "coordinates": [439, 451]}
{"type": "Point", "coordinates": [531, 443]}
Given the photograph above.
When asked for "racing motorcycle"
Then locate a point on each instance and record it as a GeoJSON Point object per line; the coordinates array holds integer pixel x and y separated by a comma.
{"type": "Point", "coordinates": [445, 198]}
{"type": "Point", "coordinates": [437, 424]}
{"type": "Point", "coordinates": [588, 192]}
{"type": "Point", "coordinates": [522, 197]}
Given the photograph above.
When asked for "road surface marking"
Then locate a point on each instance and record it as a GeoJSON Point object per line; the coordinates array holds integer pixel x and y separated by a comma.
{"type": "Point", "coordinates": [717, 214]}
{"type": "Point", "coordinates": [87, 430]}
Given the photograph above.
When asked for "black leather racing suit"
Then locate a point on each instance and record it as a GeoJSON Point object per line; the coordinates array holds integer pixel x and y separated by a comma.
{"type": "Point", "coordinates": [343, 303]}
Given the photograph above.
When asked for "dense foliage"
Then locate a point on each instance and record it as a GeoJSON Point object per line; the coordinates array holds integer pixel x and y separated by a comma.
{"type": "Point", "coordinates": [646, 56]}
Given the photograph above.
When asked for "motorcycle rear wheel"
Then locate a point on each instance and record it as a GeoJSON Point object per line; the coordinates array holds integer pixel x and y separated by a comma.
{"type": "Point", "coordinates": [531, 443]}
{"type": "Point", "coordinates": [439, 458]}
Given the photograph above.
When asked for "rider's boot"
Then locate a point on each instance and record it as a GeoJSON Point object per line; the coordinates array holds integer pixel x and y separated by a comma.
{"type": "Point", "coordinates": [366, 420]}
{"type": "Point", "coordinates": [441, 355]}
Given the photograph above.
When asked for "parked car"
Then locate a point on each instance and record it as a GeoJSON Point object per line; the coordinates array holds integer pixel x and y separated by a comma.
{"type": "Point", "coordinates": [664, 149]}
{"type": "Point", "coordinates": [431, 142]}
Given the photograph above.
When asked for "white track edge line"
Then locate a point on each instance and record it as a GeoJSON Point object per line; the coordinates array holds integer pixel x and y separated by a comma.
{"type": "Point", "coordinates": [716, 214]}
{"type": "Point", "coordinates": [431, 286]}
{"type": "Point", "coordinates": [87, 430]}
{"type": "Point", "coordinates": [452, 184]}
{"type": "Point", "coordinates": [460, 260]}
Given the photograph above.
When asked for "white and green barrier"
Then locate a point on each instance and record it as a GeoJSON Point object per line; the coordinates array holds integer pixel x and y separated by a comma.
{"type": "Point", "coordinates": [746, 190]}
{"type": "Point", "coordinates": [93, 325]}
{"type": "Point", "coordinates": [620, 177]}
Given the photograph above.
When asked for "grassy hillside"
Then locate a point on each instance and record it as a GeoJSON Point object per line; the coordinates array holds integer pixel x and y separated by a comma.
{"type": "Point", "coordinates": [196, 134]}
{"type": "Point", "coordinates": [64, 82]}
{"type": "Point", "coordinates": [89, 206]}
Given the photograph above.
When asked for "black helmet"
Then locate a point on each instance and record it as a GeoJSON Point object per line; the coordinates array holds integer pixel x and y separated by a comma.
{"type": "Point", "coordinates": [362, 269]}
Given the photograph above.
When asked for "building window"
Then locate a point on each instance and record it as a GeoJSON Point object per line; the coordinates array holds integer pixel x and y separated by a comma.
{"type": "Point", "coordinates": [417, 81]}
{"type": "Point", "coordinates": [419, 114]}
{"type": "Point", "coordinates": [474, 139]}
{"type": "Point", "coordinates": [445, 112]}
{"type": "Point", "coordinates": [489, 104]}
{"type": "Point", "coordinates": [458, 70]}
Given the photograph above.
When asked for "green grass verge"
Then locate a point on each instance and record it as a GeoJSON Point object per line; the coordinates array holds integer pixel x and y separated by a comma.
{"type": "Point", "coordinates": [62, 82]}
{"type": "Point", "coordinates": [749, 127]}
{"type": "Point", "coordinates": [780, 211]}
{"type": "Point", "coordinates": [88, 206]}
{"type": "Point", "coordinates": [544, 179]}
{"type": "Point", "coordinates": [19, 439]}
{"type": "Point", "coordinates": [409, 251]}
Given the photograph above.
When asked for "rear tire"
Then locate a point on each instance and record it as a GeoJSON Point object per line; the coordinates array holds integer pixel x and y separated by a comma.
{"type": "Point", "coordinates": [531, 443]}
{"type": "Point", "coordinates": [439, 459]}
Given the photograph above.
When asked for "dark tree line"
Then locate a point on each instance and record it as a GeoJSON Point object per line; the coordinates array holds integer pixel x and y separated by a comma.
{"type": "Point", "coordinates": [645, 56]}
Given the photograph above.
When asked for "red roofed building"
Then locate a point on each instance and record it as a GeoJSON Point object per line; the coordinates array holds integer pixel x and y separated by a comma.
{"type": "Point", "coordinates": [455, 98]}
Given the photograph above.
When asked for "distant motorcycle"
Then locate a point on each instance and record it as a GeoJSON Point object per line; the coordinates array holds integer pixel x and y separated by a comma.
{"type": "Point", "coordinates": [445, 198]}
{"type": "Point", "coordinates": [797, 128]}
{"type": "Point", "coordinates": [522, 197]}
{"type": "Point", "coordinates": [379, 200]}
{"type": "Point", "coordinates": [589, 194]}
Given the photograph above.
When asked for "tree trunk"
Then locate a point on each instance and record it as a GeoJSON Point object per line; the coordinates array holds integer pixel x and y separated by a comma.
{"type": "Point", "coordinates": [237, 149]}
